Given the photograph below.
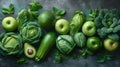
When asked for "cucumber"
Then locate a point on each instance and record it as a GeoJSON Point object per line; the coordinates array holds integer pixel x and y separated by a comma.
{"type": "Point", "coordinates": [46, 44]}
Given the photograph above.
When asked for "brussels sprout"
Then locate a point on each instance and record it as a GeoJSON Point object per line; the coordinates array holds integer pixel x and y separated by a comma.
{"type": "Point", "coordinates": [11, 44]}
{"type": "Point", "coordinates": [30, 32]}
{"type": "Point", "coordinates": [80, 39]}
{"type": "Point", "coordinates": [65, 43]}
{"type": "Point", "coordinates": [76, 22]}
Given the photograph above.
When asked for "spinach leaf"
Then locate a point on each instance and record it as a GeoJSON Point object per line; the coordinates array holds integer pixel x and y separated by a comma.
{"type": "Point", "coordinates": [35, 6]}
{"type": "Point", "coordinates": [22, 60]}
{"type": "Point", "coordinates": [9, 10]}
{"type": "Point", "coordinates": [59, 12]}
{"type": "Point", "coordinates": [104, 57]}
{"type": "Point", "coordinates": [85, 52]}
{"type": "Point", "coordinates": [33, 15]}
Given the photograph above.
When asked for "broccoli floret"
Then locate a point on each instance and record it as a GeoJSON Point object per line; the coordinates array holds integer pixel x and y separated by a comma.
{"type": "Point", "coordinates": [104, 22]}
{"type": "Point", "coordinates": [116, 29]}
{"type": "Point", "coordinates": [101, 13]}
{"type": "Point", "coordinates": [107, 23]}
{"type": "Point", "coordinates": [98, 21]}
{"type": "Point", "coordinates": [118, 23]}
{"type": "Point", "coordinates": [107, 30]}
{"type": "Point", "coordinates": [115, 21]}
{"type": "Point", "coordinates": [114, 37]}
{"type": "Point", "coordinates": [101, 33]}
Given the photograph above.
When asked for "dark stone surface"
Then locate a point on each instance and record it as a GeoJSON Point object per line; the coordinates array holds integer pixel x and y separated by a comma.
{"type": "Point", "coordinates": [70, 6]}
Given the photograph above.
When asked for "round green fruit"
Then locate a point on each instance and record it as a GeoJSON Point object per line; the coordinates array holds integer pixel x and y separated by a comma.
{"type": "Point", "coordinates": [9, 24]}
{"type": "Point", "coordinates": [94, 43]}
{"type": "Point", "coordinates": [110, 45]}
{"type": "Point", "coordinates": [46, 20]}
{"type": "Point", "coordinates": [62, 26]}
{"type": "Point", "coordinates": [89, 28]}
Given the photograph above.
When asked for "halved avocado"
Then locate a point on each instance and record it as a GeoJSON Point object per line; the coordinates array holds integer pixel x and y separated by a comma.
{"type": "Point", "coordinates": [29, 50]}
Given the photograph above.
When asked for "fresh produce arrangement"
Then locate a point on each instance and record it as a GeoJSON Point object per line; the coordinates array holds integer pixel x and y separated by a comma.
{"type": "Point", "coordinates": [35, 33]}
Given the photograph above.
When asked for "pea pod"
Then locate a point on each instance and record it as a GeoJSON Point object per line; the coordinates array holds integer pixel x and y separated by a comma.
{"type": "Point", "coordinates": [46, 44]}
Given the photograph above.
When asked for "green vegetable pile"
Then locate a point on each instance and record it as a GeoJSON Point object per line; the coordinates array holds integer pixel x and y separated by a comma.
{"type": "Point", "coordinates": [86, 34]}
{"type": "Point", "coordinates": [107, 23]}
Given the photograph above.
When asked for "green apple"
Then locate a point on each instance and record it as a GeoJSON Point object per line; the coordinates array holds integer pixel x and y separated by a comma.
{"type": "Point", "coordinates": [62, 26]}
{"type": "Point", "coordinates": [94, 43]}
{"type": "Point", "coordinates": [89, 28]}
{"type": "Point", "coordinates": [9, 24]}
{"type": "Point", "coordinates": [110, 44]}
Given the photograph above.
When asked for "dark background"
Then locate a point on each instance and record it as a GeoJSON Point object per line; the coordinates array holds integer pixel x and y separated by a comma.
{"type": "Point", "coordinates": [70, 6]}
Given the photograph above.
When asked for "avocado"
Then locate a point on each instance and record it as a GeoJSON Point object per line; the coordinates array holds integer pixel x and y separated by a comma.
{"type": "Point", "coordinates": [29, 50]}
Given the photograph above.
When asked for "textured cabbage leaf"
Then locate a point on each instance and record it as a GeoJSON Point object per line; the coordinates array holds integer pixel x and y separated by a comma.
{"type": "Point", "coordinates": [11, 43]}
{"type": "Point", "coordinates": [30, 32]}
{"type": "Point", "coordinates": [65, 43]}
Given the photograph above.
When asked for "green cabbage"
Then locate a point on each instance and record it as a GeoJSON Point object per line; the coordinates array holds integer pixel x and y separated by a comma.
{"type": "Point", "coordinates": [65, 43]}
{"type": "Point", "coordinates": [30, 32]}
{"type": "Point", "coordinates": [11, 44]}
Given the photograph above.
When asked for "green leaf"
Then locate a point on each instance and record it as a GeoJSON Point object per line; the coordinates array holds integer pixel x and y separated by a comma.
{"type": "Point", "coordinates": [80, 39]}
{"type": "Point", "coordinates": [32, 15]}
{"type": "Point", "coordinates": [9, 10]}
{"type": "Point", "coordinates": [114, 37]}
{"type": "Point", "coordinates": [22, 60]}
{"type": "Point", "coordinates": [85, 53]}
{"type": "Point", "coordinates": [116, 29]}
{"type": "Point", "coordinates": [109, 57]}
{"type": "Point", "coordinates": [90, 52]}
{"type": "Point", "coordinates": [35, 6]}
{"type": "Point", "coordinates": [59, 12]}
{"type": "Point", "coordinates": [58, 58]}
{"type": "Point", "coordinates": [100, 60]}
{"type": "Point", "coordinates": [58, 17]}
{"type": "Point", "coordinates": [104, 57]}
{"type": "Point", "coordinates": [11, 7]}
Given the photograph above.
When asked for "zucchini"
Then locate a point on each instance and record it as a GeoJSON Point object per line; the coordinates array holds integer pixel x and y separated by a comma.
{"type": "Point", "coordinates": [46, 44]}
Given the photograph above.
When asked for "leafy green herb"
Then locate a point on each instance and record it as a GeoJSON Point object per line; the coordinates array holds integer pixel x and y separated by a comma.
{"type": "Point", "coordinates": [35, 6]}
{"type": "Point", "coordinates": [32, 15]}
{"type": "Point", "coordinates": [58, 58]}
{"type": "Point", "coordinates": [104, 57]}
{"type": "Point", "coordinates": [59, 12]}
{"type": "Point", "coordinates": [58, 17]}
{"type": "Point", "coordinates": [9, 10]}
{"type": "Point", "coordinates": [22, 60]}
{"type": "Point", "coordinates": [85, 53]}
{"type": "Point", "coordinates": [33, 11]}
